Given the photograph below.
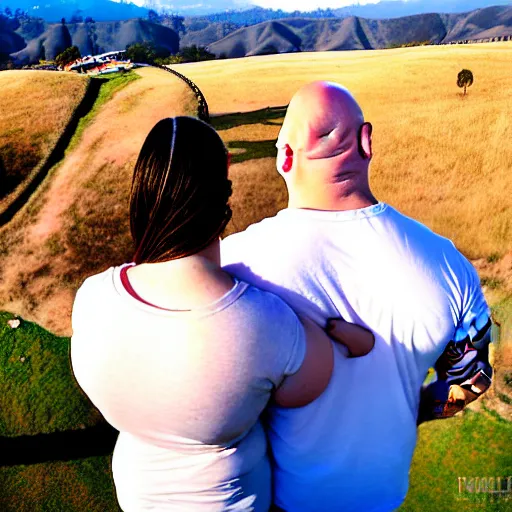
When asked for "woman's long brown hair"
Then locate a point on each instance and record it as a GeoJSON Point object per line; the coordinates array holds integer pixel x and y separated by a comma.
{"type": "Point", "coordinates": [180, 191]}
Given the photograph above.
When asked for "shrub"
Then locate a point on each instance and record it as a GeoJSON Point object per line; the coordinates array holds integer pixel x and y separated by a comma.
{"type": "Point", "coordinates": [465, 79]}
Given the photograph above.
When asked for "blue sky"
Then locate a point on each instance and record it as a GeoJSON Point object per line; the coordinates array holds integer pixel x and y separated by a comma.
{"type": "Point", "coordinates": [308, 5]}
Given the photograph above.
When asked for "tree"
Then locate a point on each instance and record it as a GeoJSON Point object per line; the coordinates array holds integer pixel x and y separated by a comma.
{"type": "Point", "coordinates": [67, 56]}
{"type": "Point", "coordinates": [144, 53]}
{"type": "Point", "coordinates": [465, 79]}
{"type": "Point", "coordinates": [195, 54]}
{"type": "Point", "coordinates": [174, 21]}
{"type": "Point", "coordinates": [153, 16]}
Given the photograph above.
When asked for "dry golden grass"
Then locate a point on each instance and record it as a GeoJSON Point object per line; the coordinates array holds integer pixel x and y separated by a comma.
{"type": "Point", "coordinates": [32, 119]}
{"type": "Point", "coordinates": [439, 157]}
{"type": "Point", "coordinates": [77, 224]}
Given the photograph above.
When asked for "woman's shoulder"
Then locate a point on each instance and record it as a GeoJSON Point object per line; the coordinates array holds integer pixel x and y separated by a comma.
{"type": "Point", "coordinates": [98, 281]}
{"type": "Point", "coordinates": [266, 302]}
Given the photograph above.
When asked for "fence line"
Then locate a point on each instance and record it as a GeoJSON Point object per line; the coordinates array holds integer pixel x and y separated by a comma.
{"type": "Point", "coordinates": [202, 106]}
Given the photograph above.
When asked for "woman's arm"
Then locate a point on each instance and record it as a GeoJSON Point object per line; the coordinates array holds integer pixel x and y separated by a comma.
{"type": "Point", "coordinates": [314, 375]}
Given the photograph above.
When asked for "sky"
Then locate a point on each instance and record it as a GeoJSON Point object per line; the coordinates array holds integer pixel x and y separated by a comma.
{"type": "Point", "coordinates": [308, 5]}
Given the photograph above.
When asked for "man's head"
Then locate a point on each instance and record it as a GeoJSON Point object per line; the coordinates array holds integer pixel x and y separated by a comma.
{"type": "Point", "coordinates": [324, 146]}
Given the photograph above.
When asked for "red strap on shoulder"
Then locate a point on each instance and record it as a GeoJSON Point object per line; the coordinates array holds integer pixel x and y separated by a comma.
{"type": "Point", "coordinates": [129, 288]}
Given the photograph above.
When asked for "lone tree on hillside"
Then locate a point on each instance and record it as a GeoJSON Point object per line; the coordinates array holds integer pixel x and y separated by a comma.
{"type": "Point", "coordinates": [67, 56]}
{"type": "Point", "coordinates": [465, 79]}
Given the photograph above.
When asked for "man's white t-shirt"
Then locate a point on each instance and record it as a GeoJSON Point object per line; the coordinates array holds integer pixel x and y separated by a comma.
{"type": "Point", "coordinates": [351, 449]}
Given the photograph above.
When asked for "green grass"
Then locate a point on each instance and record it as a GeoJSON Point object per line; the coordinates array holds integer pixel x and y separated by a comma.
{"type": "Point", "coordinates": [502, 311]}
{"type": "Point", "coordinates": [80, 485]}
{"type": "Point", "coordinates": [470, 445]}
{"type": "Point", "coordinates": [38, 393]}
{"type": "Point", "coordinates": [110, 85]}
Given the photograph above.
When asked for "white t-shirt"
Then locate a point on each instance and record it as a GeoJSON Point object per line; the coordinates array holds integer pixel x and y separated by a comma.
{"type": "Point", "coordinates": [351, 449]}
{"type": "Point", "coordinates": [185, 389]}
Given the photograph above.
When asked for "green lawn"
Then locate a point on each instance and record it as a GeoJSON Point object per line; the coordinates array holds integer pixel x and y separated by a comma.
{"type": "Point", "coordinates": [470, 445]}
{"type": "Point", "coordinates": [39, 395]}
{"type": "Point", "coordinates": [80, 485]}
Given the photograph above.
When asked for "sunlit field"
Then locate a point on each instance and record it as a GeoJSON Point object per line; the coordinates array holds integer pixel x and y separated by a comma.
{"type": "Point", "coordinates": [439, 157]}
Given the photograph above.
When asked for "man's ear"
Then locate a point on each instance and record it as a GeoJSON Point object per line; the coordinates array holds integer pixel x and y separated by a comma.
{"type": "Point", "coordinates": [365, 141]}
{"type": "Point", "coordinates": [286, 159]}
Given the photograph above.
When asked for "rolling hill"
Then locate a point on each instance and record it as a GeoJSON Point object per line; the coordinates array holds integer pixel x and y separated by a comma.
{"type": "Point", "coordinates": [96, 38]}
{"type": "Point", "coordinates": [299, 34]}
{"type": "Point", "coordinates": [35, 40]}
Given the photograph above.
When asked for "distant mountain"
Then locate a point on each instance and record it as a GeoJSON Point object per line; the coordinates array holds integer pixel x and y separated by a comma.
{"type": "Point", "coordinates": [356, 33]}
{"type": "Point", "coordinates": [28, 39]}
{"type": "Point", "coordinates": [398, 8]}
{"type": "Point", "coordinates": [96, 38]}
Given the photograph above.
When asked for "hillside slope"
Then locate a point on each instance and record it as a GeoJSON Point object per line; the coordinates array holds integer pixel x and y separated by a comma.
{"type": "Point", "coordinates": [76, 224]}
{"type": "Point", "coordinates": [96, 38]}
{"type": "Point", "coordinates": [355, 33]}
{"type": "Point", "coordinates": [29, 129]}
{"type": "Point", "coordinates": [10, 41]}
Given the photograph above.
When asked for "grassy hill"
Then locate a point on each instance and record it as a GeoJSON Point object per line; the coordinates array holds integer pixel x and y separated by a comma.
{"type": "Point", "coordinates": [32, 119]}
{"type": "Point", "coordinates": [96, 38]}
{"type": "Point", "coordinates": [77, 222]}
{"type": "Point", "coordinates": [355, 33]}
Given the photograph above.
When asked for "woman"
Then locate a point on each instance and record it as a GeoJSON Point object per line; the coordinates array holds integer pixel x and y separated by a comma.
{"type": "Point", "coordinates": [181, 357]}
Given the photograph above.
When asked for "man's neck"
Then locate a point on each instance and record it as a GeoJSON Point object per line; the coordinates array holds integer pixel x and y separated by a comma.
{"type": "Point", "coordinates": [332, 201]}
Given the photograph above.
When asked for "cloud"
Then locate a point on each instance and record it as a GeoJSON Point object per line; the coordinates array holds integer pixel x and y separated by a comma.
{"type": "Point", "coordinates": [308, 5]}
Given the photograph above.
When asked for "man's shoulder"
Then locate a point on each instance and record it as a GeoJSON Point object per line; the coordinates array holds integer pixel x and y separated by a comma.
{"type": "Point", "coordinates": [262, 235]}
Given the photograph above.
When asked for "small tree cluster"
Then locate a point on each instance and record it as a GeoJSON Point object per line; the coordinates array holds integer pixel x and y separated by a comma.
{"type": "Point", "coordinates": [144, 53]}
{"type": "Point", "coordinates": [195, 54]}
{"type": "Point", "coordinates": [67, 56]}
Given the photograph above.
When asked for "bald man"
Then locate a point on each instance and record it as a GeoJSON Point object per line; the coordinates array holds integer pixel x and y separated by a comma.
{"type": "Point", "coordinates": [336, 251]}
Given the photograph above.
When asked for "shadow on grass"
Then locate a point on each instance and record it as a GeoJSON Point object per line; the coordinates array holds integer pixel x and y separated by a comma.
{"type": "Point", "coordinates": [252, 150]}
{"type": "Point", "coordinates": [262, 116]}
{"type": "Point", "coordinates": [62, 446]}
